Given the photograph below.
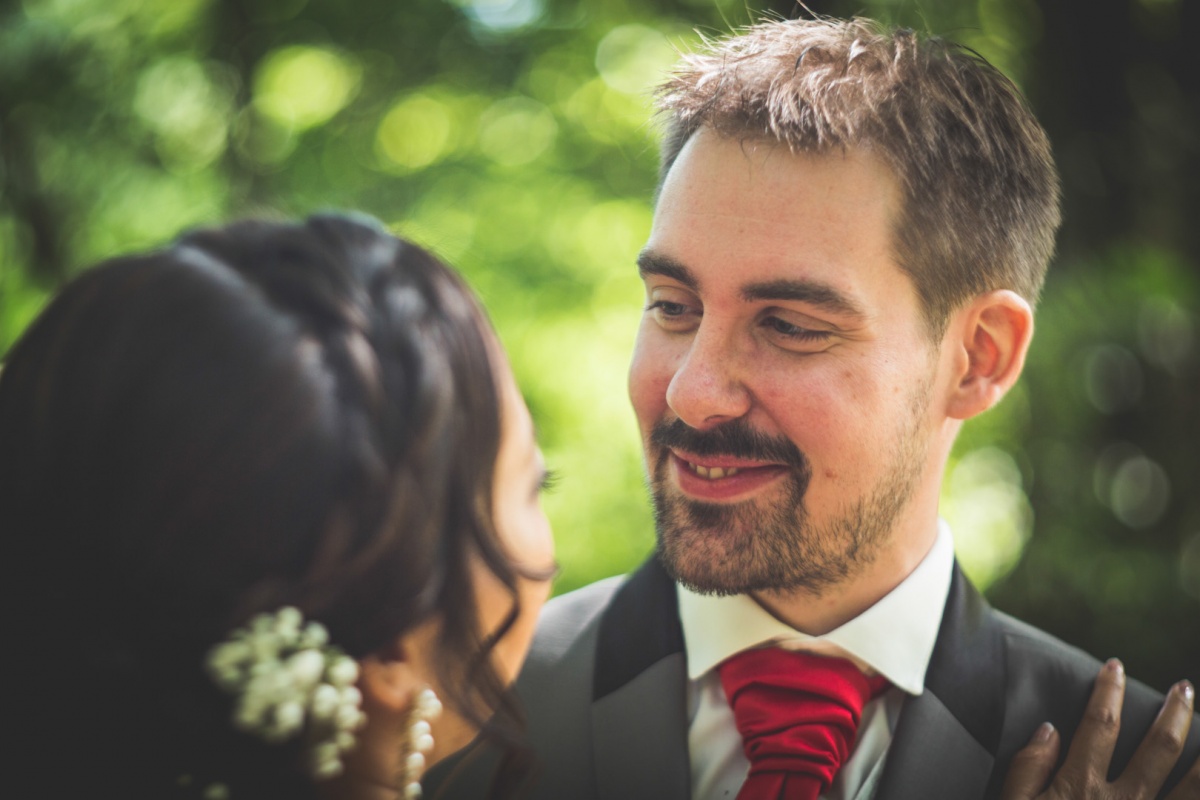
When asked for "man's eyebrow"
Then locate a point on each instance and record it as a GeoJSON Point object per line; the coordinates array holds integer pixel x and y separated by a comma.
{"type": "Point", "coordinates": [815, 293]}
{"type": "Point", "coordinates": [651, 263]}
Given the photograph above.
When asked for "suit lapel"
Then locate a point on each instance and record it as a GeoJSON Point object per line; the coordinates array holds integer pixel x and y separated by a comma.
{"type": "Point", "coordinates": [639, 701]}
{"type": "Point", "coordinates": [945, 742]}
{"type": "Point", "coordinates": [932, 755]}
{"type": "Point", "coordinates": [943, 746]}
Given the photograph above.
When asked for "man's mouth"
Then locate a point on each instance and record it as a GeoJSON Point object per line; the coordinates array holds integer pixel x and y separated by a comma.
{"type": "Point", "coordinates": [712, 473]}
{"type": "Point", "coordinates": [720, 466]}
{"type": "Point", "coordinates": [717, 478]}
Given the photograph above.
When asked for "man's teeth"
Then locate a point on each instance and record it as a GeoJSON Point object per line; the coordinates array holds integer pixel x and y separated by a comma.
{"type": "Point", "coordinates": [712, 473]}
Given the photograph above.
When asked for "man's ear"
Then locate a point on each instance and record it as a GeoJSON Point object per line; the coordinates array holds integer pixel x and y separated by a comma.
{"type": "Point", "coordinates": [990, 341]}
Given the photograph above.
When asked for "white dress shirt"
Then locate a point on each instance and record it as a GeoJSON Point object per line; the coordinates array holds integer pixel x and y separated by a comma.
{"type": "Point", "coordinates": [894, 637]}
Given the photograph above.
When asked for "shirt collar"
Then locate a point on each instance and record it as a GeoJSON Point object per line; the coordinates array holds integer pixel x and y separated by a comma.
{"type": "Point", "coordinates": [894, 637]}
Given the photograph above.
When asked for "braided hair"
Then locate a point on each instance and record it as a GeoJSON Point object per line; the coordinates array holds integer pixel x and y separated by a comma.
{"type": "Point", "coordinates": [263, 414]}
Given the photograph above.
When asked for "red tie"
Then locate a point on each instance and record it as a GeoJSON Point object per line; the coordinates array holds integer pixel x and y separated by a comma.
{"type": "Point", "coordinates": [797, 714]}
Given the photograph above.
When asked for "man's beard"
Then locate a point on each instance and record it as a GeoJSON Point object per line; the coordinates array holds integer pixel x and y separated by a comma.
{"type": "Point", "coordinates": [760, 544]}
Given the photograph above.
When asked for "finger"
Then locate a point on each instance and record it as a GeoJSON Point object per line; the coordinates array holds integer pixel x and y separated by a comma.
{"type": "Point", "coordinates": [1092, 747]}
{"type": "Point", "coordinates": [1158, 752]}
{"type": "Point", "coordinates": [1029, 770]}
{"type": "Point", "coordinates": [1189, 787]}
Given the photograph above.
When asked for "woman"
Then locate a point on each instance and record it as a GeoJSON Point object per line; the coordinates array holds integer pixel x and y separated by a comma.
{"type": "Point", "coordinates": [261, 491]}
{"type": "Point", "coordinates": [268, 494]}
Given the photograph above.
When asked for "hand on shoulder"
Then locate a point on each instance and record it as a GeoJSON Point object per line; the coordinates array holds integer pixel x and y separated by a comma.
{"type": "Point", "coordinates": [1084, 773]}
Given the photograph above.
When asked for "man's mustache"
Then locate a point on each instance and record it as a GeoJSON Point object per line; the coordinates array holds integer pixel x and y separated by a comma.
{"type": "Point", "coordinates": [735, 439]}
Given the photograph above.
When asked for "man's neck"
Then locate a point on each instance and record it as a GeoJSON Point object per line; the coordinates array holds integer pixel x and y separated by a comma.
{"type": "Point", "coordinates": [818, 613]}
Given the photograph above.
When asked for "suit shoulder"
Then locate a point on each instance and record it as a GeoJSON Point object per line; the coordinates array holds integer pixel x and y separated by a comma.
{"type": "Point", "coordinates": [585, 601]}
{"type": "Point", "coordinates": [1042, 669]}
{"type": "Point", "coordinates": [569, 619]}
{"type": "Point", "coordinates": [1034, 649]}
{"type": "Point", "coordinates": [556, 689]}
{"type": "Point", "coordinates": [1048, 679]}
{"type": "Point", "coordinates": [1040, 664]}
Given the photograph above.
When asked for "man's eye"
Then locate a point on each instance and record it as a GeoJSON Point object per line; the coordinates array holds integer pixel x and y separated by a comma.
{"type": "Point", "coordinates": [791, 331]}
{"type": "Point", "coordinates": [667, 309]}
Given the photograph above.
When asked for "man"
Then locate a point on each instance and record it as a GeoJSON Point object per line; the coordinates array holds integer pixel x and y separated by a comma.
{"type": "Point", "coordinates": [850, 235]}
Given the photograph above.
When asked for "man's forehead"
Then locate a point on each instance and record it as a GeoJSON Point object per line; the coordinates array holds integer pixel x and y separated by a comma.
{"type": "Point", "coordinates": [767, 155]}
{"type": "Point", "coordinates": [800, 226]}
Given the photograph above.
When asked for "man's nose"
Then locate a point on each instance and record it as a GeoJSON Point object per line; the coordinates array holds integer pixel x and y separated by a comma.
{"type": "Point", "coordinates": [707, 389]}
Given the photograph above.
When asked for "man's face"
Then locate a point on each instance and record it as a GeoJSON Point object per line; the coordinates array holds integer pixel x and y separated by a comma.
{"type": "Point", "coordinates": [782, 374]}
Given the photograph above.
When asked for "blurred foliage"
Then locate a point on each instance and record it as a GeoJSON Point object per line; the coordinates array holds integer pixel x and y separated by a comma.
{"type": "Point", "coordinates": [514, 138]}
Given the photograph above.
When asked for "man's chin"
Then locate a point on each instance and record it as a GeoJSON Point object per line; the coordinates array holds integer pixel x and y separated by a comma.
{"type": "Point", "coordinates": [733, 578]}
{"type": "Point", "coordinates": [735, 560]}
{"type": "Point", "coordinates": [711, 566]}
{"type": "Point", "coordinates": [711, 585]}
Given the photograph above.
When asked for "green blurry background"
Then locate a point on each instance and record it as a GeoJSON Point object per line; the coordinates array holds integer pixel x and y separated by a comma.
{"type": "Point", "coordinates": [513, 137]}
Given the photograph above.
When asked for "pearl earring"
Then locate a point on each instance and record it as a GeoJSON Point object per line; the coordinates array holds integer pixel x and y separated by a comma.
{"type": "Point", "coordinates": [426, 707]}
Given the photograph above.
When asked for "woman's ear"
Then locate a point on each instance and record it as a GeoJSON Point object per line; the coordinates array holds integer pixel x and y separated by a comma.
{"type": "Point", "coordinates": [391, 681]}
{"type": "Point", "coordinates": [992, 339]}
{"type": "Point", "coordinates": [386, 684]}
{"type": "Point", "coordinates": [390, 678]}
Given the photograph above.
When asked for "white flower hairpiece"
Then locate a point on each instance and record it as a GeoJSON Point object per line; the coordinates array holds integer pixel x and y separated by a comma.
{"type": "Point", "coordinates": [289, 680]}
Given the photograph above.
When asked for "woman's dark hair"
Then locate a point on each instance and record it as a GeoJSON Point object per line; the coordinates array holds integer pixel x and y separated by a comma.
{"type": "Point", "coordinates": [263, 414]}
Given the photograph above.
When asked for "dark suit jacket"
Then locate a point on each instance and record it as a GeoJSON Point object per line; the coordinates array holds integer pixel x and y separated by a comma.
{"type": "Point", "coordinates": [605, 692]}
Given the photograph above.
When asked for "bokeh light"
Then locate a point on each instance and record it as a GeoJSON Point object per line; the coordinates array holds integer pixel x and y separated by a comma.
{"type": "Point", "coordinates": [303, 87]}
{"type": "Point", "coordinates": [984, 502]}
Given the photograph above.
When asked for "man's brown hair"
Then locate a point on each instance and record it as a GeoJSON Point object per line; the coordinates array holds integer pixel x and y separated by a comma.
{"type": "Point", "coordinates": [980, 191]}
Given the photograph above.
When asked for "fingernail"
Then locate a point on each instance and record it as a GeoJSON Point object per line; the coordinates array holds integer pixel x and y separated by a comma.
{"type": "Point", "coordinates": [1043, 733]}
{"type": "Point", "coordinates": [1186, 691]}
{"type": "Point", "coordinates": [1115, 666]}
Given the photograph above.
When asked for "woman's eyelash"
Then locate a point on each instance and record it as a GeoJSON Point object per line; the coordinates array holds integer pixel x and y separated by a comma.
{"type": "Point", "coordinates": [549, 481]}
